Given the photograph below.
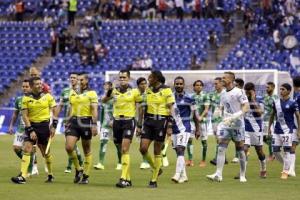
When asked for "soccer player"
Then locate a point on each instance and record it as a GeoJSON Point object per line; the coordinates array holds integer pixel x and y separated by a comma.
{"type": "Point", "coordinates": [269, 98]}
{"type": "Point", "coordinates": [82, 124]}
{"type": "Point", "coordinates": [215, 98]}
{"type": "Point", "coordinates": [284, 109]}
{"type": "Point", "coordinates": [253, 127]}
{"type": "Point", "coordinates": [19, 135]}
{"type": "Point", "coordinates": [65, 105]}
{"type": "Point", "coordinates": [235, 105]}
{"type": "Point", "coordinates": [124, 111]}
{"type": "Point", "coordinates": [295, 139]}
{"type": "Point", "coordinates": [185, 110]}
{"type": "Point", "coordinates": [202, 104]}
{"type": "Point", "coordinates": [157, 122]}
{"type": "Point", "coordinates": [36, 109]}
{"type": "Point", "coordinates": [106, 119]}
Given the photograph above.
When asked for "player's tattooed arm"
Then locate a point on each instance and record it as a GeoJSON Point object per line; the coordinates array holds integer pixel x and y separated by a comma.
{"type": "Point", "coordinates": [141, 112]}
{"type": "Point", "coordinates": [28, 127]}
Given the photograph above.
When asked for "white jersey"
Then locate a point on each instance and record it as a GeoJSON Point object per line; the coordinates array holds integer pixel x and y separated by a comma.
{"type": "Point", "coordinates": [232, 102]}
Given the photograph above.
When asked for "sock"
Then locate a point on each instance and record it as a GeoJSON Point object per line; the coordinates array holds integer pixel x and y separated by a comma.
{"type": "Point", "coordinates": [204, 149]}
{"type": "Point", "coordinates": [30, 167]}
{"type": "Point", "coordinates": [119, 153]}
{"type": "Point", "coordinates": [48, 160]}
{"type": "Point", "coordinates": [216, 154]}
{"type": "Point", "coordinates": [102, 151]}
{"type": "Point", "coordinates": [180, 165]}
{"type": "Point", "coordinates": [263, 163]}
{"type": "Point", "coordinates": [149, 159]}
{"type": "Point", "coordinates": [24, 164]}
{"type": "Point", "coordinates": [145, 161]}
{"type": "Point", "coordinates": [157, 166]}
{"type": "Point", "coordinates": [125, 165]}
{"type": "Point", "coordinates": [236, 154]}
{"type": "Point", "coordinates": [128, 172]}
{"type": "Point", "coordinates": [220, 160]}
{"type": "Point", "coordinates": [79, 156]}
{"type": "Point", "coordinates": [269, 142]}
{"type": "Point", "coordinates": [293, 160]}
{"type": "Point", "coordinates": [190, 149]}
{"type": "Point", "coordinates": [243, 162]}
{"type": "Point", "coordinates": [164, 150]}
{"type": "Point", "coordinates": [286, 162]}
{"type": "Point", "coordinates": [75, 160]}
{"type": "Point", "coordinates": [19, 153]}
{"type": "Point", "coordinates": [88, 159]}
{"type": "Point", "coordinates": [279, 157]}
{"type": "Point", "coordinates": [69, 166]}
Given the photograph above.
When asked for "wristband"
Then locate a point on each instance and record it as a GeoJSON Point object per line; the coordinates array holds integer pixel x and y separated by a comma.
{"type": "Point", "coordinates": [29, 129]}
{"type": "Point", "coordinates": [54, 123]}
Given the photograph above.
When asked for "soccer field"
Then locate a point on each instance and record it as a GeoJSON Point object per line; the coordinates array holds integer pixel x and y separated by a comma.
{"type": "Point", "coordinates": [102, 183]}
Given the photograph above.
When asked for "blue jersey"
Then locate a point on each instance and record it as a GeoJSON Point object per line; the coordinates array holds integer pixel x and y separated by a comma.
{"type": "Point", "coordinates": [297, 98]}
{"type": "Point", "coordinates": [253, 119]}
{"type": "Point", "coordinates": [285, 111]}
{"type": "Point", "coordinates": [183, 109]}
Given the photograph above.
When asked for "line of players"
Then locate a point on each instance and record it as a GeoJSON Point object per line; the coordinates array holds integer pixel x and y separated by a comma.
{"type": "Point", "coordinates": [161, 112]}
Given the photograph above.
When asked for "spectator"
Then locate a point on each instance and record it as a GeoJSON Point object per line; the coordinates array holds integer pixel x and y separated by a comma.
{"type": "Point", "coordinates": [11, 12]}
{"type": "Point", "coordinates": [98, 5]}
{"type": "Point", "coordinates": [209, 7]}
{"type": "Point", "coordinates": [72, 9]}
{"type": "Point", "coordinates": [126, 9]}
{"type": "Point", "coordinates": [291, 7]}
{"type": "Point", "coordinates": [53, 38]}
{"type": "Point", "coordinates": [196, 8]}
{"type": "Point", "coordinates": [276, 39]}
{"type": "Point", "coordinates": [136, 65]}
{"type": "Point", "coordinates": [146, 63]}
{"type": "Point", "coordinates": [162, 7]}
{"type": "Point", "coordinates": [151, 9]}
{"type": "Point", "coordinates": [213, 40]}
{"type": "Point", "coordinates": [100, 51]}
{"type": "Point", "coordinates": [84, 56]}
{"type": "Point", "coordinates": [118, 8]}
{"type": "Point", "coordinates": [62, 41]}
{"type": "Point", "coordinates": [195, 63]}
{"type": "Point", "coordinates": [20, 10]}
{"type": "Point", "coordinates": [179, 6]}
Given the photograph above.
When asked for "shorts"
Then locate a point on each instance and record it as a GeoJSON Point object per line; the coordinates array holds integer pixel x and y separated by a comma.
{"type": "Point", "coordinates": [79, 127]}
{"type": "Point", "coordinates": [105, 133]}
{"type": "Point", "coordinates": [154, 129]}
{"type": "Point", "coordinates": [42, 131]}
{"type": "Point", "coordinates": [215, 128]}
{"type": "Point", "coordinates": [237, 135]}
{"type": "Point", "coordinates": [180, 139]}
{"type": "Point", "coordinates": [282, 140]}
{"type": "Point", "coordinates": [266, 126]}
{"type": "Point", "coordinates": [253, 138]}
{"type": "Point", "coordinates": [295, 139]}
{"type": "Point", "coordinates": [123, 128]}
{"type": "Point", "coordinates": [19, 139]}
{"type": "Point", "coordinates": [203, 132]}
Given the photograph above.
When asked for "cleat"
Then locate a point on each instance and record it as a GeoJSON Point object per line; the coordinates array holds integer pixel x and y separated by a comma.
{"type": "Point", "coordinates": [119, 166]}
{"type": "Point", "coordinates": [35, 170]}
{"type": "Point", "coordinates": [213, 162]}
{"type": "Point", "coordinates": [263, 174]}
{"type": "Point", "coordinates": [84, 180]}
{"type": "Point", "coordinates": [237, 176]}
{"type": "Point", "coordinates": [189, 163]}
{"type": "Point", "coordinates": [68, 170]}
{"type": "Point", "coordinates": [176, 178]}
{"type": "Point", "coordinates": [152, 184]}
{"type": "Point", "coordinates": [284, 175]}
{"type": "Point", "coordinates": [183, 179]}
{"type": "Point", "coordinates": [78, 176]}
{"type": "Point", "coordinates": [99, 166]}
{"type": "Point", "coordinates": [144, 165]}
{"type": "Point", "coordinates": [202, 164]}
{"type": "Point", "coordinates": [165, 161]}
{"type": "Point", "coordinates": [122, 183]}
{"type": "Point", "coordinates": [128, 183]}
{"type": "Point", "coordinates": [243, 179]}
{"type": "Point", "coordinates": [214, 177]}
{"type": "Point", "coordinates": [18, 179]}
{"type": "Point", "coordinates": [50, 179]}
{"type": "Point", "coordinates": [235, 160]}
{"type": "Point", "coordinates": [292, 173]}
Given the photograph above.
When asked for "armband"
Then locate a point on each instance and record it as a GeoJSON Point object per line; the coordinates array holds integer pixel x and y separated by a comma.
{"type": "Point", "coordinates": [54, 123]}
{"type": "Point", "coordinates": [28, 130]}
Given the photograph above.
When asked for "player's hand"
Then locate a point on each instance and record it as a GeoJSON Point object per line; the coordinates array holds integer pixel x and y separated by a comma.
{"type": "Point", "coordinates": [169, 132]}
{"type": "Point", "coordinates": [138, 132]}
{"type": "Point", "coordinates": [94, 130]}
{"type": "Point", "coordinates": [52, 131]}
{"type": "Point", "coordinates": [197, 134]}
{"type": "Point", "coordinates": [11, 130]}
{"type": "Point", "coordinates": [200, 119]}
{"type": "Point", "coordinates": [227, 121]}
{"type": "Point", "coordinates": [33, 136]}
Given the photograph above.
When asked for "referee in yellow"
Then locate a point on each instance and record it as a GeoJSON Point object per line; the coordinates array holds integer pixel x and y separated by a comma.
{"type": "Point", "coordinates": [36, 110]}
{"type": "Point", "coordinates": [82, 124]}
{"type": "Point", "coordinates": [124, 112]}
{"type": "Point", "coordinates": [157, 122]}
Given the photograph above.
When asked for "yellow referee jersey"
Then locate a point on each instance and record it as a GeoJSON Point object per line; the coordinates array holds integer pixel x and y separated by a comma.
{"type": "Point", "coordinates": [124, 103]}
{"type": "Point", "coordinates": [81, 103]}
{"type": "Point", "coordinates": [157, 101]}
{"type": "Point", "coordinates": [38, 109]}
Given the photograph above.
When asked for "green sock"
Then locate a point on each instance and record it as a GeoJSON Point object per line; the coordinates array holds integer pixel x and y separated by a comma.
{"type": "Point", "coordinates": [269, 142]}
{"type": "Point", "coordinates": [70, 162]}
{"type": "Point", "coordinates": [204, 149]}
{"type": "Point", "coordinates": [236, 154]}
{"type": "Point", "coordinates": [80, 159]}
{"type": "Point", "coordinates": [190, 149]}
{"type": "Point", "coordinates": [31, 163]}
{"type": "Point", "coordinates": [119, 153]}
{"type": "Point", "coordinates": [19, 153]}
{"type": "Point", "coordinates": [102, 151]}
{"type": "Point", "coordinates": [217, 146]}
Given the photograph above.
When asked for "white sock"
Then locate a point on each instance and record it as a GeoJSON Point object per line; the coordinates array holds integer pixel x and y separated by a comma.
{"type": "Point", "coordinates": [263, 165]}
{"type": "Point", "coordinates": [180, 164]}
{"type": "Point", "coordinates": [220, 160]}
{"type": "Point", "coordinates": [243, 163]}
{"type": "Point", "coordinates": [293, 160]}
{"type": "Point", "coordinates": [286, 161]}
{"type": "Point", "coordinates": [278, 156]}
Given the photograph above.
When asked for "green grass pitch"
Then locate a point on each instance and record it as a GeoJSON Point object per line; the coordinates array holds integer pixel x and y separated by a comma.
{"type": "Point", "coordinates": [102, 183]}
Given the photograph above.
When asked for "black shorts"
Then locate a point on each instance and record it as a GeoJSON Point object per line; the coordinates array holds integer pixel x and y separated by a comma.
{"type": "Point", "coordinates": [79, 127]}
{"type": "Point", "coordinates": [123, 128]}
{"type": "Point", "coordinates": [154, 129]}
{"type": "Point", "coordinates": [42, 131]}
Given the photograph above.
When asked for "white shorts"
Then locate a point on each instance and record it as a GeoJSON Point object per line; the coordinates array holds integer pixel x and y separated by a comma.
{"type": "Point", "coordinates": [237, 135]}
{"type": "Point", "coordinates": [266, 126]}
{"type": "Point", "coordinates": [19, 139]}
{"type": "Point", "coordinates": [254, 138]}
{"type": "Point", "coordinates": [180, 139]}
{"type": "Point", "coordinates": [105, 133]}
{"type": "Point", "coordinates": [215, 128]}
{"type": "Point", "coordinates": [295, 138]}
{"type": "Point", "coordinates": [284, 140]}
{"type": "Point", "coordinates": [203, 131]}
